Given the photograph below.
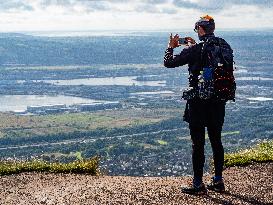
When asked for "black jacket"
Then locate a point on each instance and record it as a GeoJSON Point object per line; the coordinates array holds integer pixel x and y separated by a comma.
{"type": "Point", "coordinates": [198, 111]}
{"type": "Point", "coordinates": [190, 55]}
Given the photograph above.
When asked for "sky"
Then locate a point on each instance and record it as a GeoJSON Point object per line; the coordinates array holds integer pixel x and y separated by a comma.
{"type": "Point", "coordinates": [84, 15]}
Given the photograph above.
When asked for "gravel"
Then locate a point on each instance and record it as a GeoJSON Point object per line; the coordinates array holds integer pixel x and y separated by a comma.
{"type": "Point", "coordinates": [244, 185]}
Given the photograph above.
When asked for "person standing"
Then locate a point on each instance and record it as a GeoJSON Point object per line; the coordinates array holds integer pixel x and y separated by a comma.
{"type": "Point", "coordinates": [200, 112]}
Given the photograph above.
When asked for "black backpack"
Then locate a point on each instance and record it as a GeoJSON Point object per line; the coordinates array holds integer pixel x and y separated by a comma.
{"type": "Point", "coordinates": [216, 80]}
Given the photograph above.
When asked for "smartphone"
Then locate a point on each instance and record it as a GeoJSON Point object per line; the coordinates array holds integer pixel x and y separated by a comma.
{"type": "Point", "coordinates": [182, 41]}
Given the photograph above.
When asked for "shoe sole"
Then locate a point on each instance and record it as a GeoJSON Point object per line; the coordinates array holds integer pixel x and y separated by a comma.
{"type": "Point", "coordinates": [196, 193]}
{"type": "Point", "coordinates": [217, 190]}
{"type": "Point", "coordinates": [201, 193]}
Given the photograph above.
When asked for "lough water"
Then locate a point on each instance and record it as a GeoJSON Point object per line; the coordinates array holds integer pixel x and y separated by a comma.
{"type": "Point", "coordinates": [20, 102]}
{"type": "Point", "coordinates": [125, 81]}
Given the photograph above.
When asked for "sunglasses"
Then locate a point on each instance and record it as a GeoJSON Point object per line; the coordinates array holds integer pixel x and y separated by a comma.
{"type": "Point", "coordinates": [196, 29]}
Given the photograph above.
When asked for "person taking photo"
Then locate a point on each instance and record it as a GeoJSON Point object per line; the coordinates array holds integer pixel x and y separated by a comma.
{"type": "Point", "coordinates": [211, 84]}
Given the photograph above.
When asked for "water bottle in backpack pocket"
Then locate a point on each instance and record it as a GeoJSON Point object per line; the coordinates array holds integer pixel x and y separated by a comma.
{"type": "Point", "coordinates": [205, 83]}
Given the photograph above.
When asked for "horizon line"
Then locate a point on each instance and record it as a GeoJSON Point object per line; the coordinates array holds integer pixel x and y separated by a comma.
{"type": "Point", "coordinates": [136, 30]}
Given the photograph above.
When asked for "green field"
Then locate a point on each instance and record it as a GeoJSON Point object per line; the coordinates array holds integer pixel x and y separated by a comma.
{"type": "Point", "coordinates": [24, 126]}
{"type": "Point", "coordinates": [162, 142]}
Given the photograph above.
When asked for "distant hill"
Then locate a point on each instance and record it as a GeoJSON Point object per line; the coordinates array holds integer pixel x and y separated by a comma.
{"type": "Point", "coordinates": [20, 49]}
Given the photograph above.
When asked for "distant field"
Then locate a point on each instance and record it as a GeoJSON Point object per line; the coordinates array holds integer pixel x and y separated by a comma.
{"type": "Point", "coordinates": [16, 126]}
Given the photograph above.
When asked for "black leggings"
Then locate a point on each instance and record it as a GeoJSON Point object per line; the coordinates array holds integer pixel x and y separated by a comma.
{"type": "Point", "coordinates": [198, 142]}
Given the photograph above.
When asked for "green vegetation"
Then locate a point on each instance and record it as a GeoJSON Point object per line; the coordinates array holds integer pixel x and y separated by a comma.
{"type": "Point", "coordinates": [129, 141]}
{"type": "Point", "coordinates": [27, 126]}
{"type": "Point", "coordinates": [262, 152]}
{"type": "Point", "coordinates": [53, 155]}
{"type": "Point", "coordinates": [89, 166]}
{"type": "Point", "coordinates": [223, 134]}
{"type": "Point", "coordinates": [79, 156]}
{"type": "Point", "coordinates": [162, 142]}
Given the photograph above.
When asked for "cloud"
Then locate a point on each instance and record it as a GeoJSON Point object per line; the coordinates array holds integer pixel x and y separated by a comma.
{"type": "Point", "coordinates": [12, 5]}
{"type": "Point", "coordinates": [156, 1]}
{"type": "Point", "coordinates": [155, 7]}
{"type": "Point", "coordinates": [169, 10]}
{"type": "Point", "coordinates": [71, 5]}
{"type": "Point", "coordinates": [219, 5]}
{"type": "Point", "coordinates": [131, 14]}
{"type": "Point", "coordinates": [148, 6]}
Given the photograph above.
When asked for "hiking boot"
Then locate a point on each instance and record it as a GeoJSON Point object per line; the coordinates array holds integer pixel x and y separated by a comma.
{"type": "Point", "coordinates": [217, 186]}
{"type": "Point", "coordinates": [195, 190]}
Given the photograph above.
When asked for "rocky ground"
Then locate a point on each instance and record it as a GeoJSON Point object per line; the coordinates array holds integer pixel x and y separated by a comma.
{"type": "Point", "coordinates": [246, 185]}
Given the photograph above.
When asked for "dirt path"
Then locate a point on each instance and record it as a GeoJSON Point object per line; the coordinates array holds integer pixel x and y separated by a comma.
{"type": "Point", "coordinates": [246, 185]}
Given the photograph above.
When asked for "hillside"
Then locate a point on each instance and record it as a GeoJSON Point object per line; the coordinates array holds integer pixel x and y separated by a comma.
{"type": "Point", "coordinates": [245, 185]}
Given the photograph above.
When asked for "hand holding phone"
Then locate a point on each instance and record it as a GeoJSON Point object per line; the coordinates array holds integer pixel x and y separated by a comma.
{"type": "Point", "coordinates": [186, 41]}
{"type": "Point", "coordinates": [182, 41]}
{"type": "Point", "coordinates": [173, 42]}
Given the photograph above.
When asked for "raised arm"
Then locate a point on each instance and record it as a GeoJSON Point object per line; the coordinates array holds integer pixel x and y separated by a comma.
{"type": "Point", "coordinates": [171, 61]}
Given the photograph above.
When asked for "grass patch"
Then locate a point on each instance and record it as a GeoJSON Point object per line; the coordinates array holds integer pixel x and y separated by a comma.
{"type": "Point", "coordinates": [27, 126]}
{"type": "Point", "coordinates": [162, 142]}
{"type": "Point", "coordinates": [77, 155]}
{"type": "Point", "coordinates": [89, 166]}
{"type": "Point", "coordinates": [262, 152]}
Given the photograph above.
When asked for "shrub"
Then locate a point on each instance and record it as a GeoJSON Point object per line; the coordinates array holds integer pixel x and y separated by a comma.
{"type": "Point", "coordinates": [262, 152]}
{"type": "Point", "coordinates": [89, 166]}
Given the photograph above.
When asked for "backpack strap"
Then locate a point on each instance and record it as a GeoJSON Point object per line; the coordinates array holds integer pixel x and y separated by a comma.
{"type": "Point", "coordinates": [215, 41]}
{"type": "Point", "coordinates": [202, 51]}
{"type": "Point", "coordinates": [221, 51]}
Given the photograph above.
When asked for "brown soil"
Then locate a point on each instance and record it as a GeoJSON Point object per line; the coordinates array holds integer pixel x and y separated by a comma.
{"type": "Point", "coordinates": [244, 185]}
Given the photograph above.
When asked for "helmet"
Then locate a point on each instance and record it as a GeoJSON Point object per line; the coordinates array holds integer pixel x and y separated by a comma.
{"type": "Point", "coordinates": [207, 23]}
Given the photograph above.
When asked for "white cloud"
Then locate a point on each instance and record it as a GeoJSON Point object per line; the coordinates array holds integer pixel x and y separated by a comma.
{"type": "Point", "coordinates": [14, 5]}
{"type": "Point", "coordinates": [219, 5]}
{"type": "Point", "coordinates": [17, 15]}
